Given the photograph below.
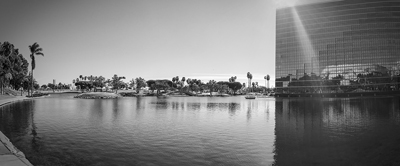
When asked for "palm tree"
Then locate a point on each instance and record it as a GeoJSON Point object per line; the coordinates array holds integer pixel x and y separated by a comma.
{"type": "Point", "coordinates": [232, 79]}
{"type": "Point", "coordinates": [183, 81]}
{"type": "Point", "coordinates": [35, 50]}
{"type": "Point", "coordinates": [265, 78]}
{"type": "Point", "coordinates": [268, 80]}
{"type": "Point", "coordinates": [248, 79]}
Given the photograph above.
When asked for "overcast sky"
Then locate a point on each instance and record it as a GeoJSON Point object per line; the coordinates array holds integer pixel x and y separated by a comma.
{"type": "Point", "coordinates": [154, 39]}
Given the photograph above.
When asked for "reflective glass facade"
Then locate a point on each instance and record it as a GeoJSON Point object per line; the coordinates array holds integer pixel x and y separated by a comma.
{"type": "Point", "coordinates": [341, 46]}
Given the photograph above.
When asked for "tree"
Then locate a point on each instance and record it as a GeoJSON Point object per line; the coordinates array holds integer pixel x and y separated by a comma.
{"type": "Point", "coordinates": [5, 64]}
{"type": "Point", "coordinates": [13, 67]}
{"type": "Point", "coordinates": [82, 84]}
{"type": "Point", "coordinates": [35, 50]}
{"type": "Point", "coordinates": [235, 86]}
{"type": "Point", "coordinates": [159, 85]}
{"type": "Point", "coordinates": [116, 82]}
{"type": "Point", "coordinates": [132, 83]}
{"type": "Point", "coordinates": [99, 81]}
{"type": "Point", "coordinates": [268, 80]}
{"type": "Point", "coordinates": [249, 77]}
{"type": "Point", "coordinates": [232, 79]}
{"type": "Point", "coordinates": [221, 87]}
{"type": "Point", "coordinates": [265, 79]}
{"type": "Point", "coordinates": [183, 81]}
{"type": "Point", "coordinates": [140, 83]}
{"type": "Point", "coordinates": [211, 86]}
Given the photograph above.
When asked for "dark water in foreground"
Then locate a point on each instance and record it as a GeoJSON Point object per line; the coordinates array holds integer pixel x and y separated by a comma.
{"type": "Point", "coordinates": [61, 130]}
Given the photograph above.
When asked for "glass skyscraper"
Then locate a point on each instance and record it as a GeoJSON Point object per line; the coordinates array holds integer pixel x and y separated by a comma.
{"type": "Point", "coordinates": [340, 46]}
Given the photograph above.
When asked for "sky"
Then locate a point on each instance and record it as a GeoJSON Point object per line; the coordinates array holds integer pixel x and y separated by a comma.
{"type": "Point", "coordinates": [152, 39]}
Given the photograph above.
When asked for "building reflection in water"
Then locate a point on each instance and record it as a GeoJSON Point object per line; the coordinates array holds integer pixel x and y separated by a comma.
{"type": "Point", "coordinates": [336, 131]}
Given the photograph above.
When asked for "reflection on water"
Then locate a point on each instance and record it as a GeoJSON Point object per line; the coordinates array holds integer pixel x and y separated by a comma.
{"type": "Point", "coordinates": [337, 131]}
{"type": "Point", "coordinates": [61, 130]}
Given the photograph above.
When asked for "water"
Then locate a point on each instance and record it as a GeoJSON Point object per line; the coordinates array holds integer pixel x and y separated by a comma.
{"type": "Point", "coordinates": [142, 131]}
{"type": "Point", "coordinates": [61, 130]}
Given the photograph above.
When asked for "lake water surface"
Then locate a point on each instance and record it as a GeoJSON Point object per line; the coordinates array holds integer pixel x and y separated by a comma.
{"type": "Point", "coordinates": [62, 130]}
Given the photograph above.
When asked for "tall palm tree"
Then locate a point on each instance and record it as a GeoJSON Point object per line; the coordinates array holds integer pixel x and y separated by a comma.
{"type": "Point", "coordinates": [248, 79]}
{"type": "Point", "coordinates": [265, 79]}
{"type": "Point", "coordinates": [35, 50]}
{"type": "Point", "coordinates": [268, 80]}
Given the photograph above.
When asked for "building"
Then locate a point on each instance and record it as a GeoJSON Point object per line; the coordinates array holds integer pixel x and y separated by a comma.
{"type": "Point", "coordinates": [339, 46]}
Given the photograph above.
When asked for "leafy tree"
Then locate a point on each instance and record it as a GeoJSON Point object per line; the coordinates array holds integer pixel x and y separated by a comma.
{"type": "Point", "coordinates": [99, 81]}
{"type": "Point", "coordinates": [35, 50]}
{"type": "Point", "coordinates": [140, 83]}
{"type": "Point", "coordinates": [52, 86]}
{"type": "Point", "coordinates": [222, 87]}
{"type": "Point", "coordinates": [26, 82]}
{"type": "Point", "coordinates": [13, 67]}
{"type": "Point", "coordinates": [159, 85]}
{"type": "Point", "coordinates": [116, 82]}
{"type": "Point", "coordinates": [5, 64]}
{"type": "Point", "coordinates": [132, 83]}
{"type": "Point", "coordinates": [82, 84]}
{"type": "Point", "coordinates": [211, 85]}
{"type": "Point", "coordinates": [36, 86]}
{"type": "Point", "coordinates": [235, 86]}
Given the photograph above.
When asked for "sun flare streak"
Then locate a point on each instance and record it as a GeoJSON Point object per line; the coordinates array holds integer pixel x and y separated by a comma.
{"type": "Point", "coordinates": [309, 57]}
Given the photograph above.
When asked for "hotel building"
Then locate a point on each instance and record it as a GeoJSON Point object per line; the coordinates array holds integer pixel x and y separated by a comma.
{"type": "Point", "coordinates": [339, 46]}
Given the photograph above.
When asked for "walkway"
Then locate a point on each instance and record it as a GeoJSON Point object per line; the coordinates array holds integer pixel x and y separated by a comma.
{"type": "Point", "coordinates": [10, 155]}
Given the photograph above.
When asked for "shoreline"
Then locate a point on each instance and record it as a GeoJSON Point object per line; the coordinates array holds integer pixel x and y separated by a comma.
{"type": "Point", "coordinates": [9, 154]}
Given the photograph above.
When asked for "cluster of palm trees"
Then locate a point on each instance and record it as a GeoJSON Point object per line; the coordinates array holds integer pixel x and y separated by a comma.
{"type": "Point", "coordinates": [250, 77]}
